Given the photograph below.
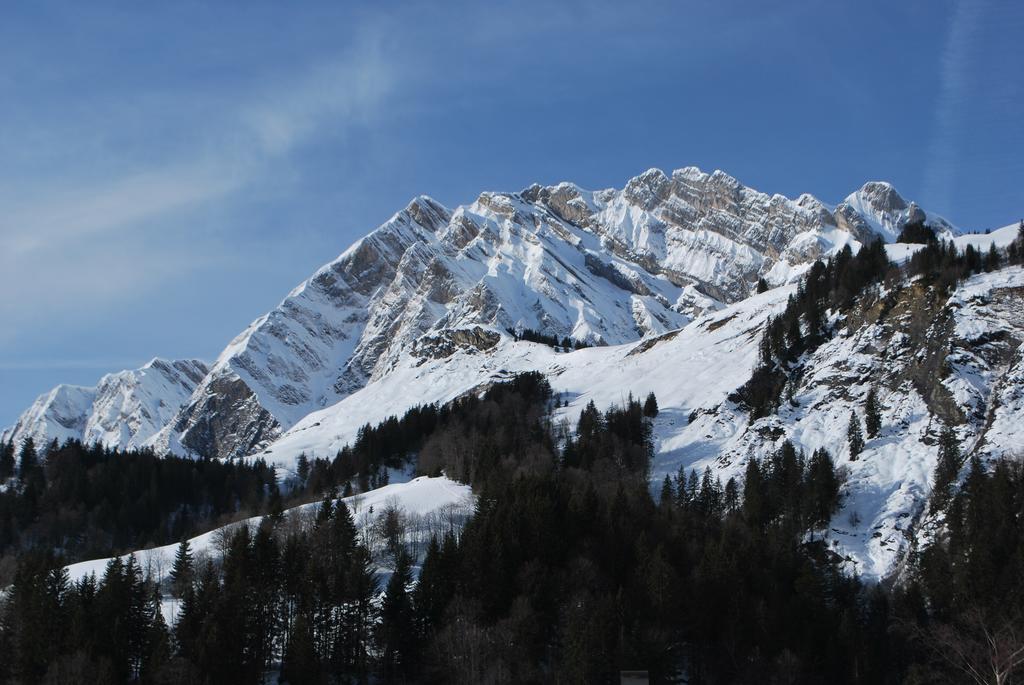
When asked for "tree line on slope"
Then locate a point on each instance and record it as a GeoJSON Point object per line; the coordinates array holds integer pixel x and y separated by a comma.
{"type": "Point", "coordinates": [834, 285]}
{"type": "Point", "coordinates": [569, 571]}
{"type": "Point", "coordinates": [86, 501]}
{"type": "Point", "coordinates": [565, 343]}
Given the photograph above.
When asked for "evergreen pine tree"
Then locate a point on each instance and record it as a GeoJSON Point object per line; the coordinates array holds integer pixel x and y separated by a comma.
{"type": "Point", "coordinates": [6, 460]}
{"type": "Point", "coordinates": [822, 488]}
{"type": "Point", "coordinates": [668, 494]}
{"type": "Point", "coordinates": [433, 589]}
{"type": "Point", "coordinates": [755, 505]}
{"type": "Point", "coordinates": [948, 465]}
{"type": "Point", "coordinates": [872, 414]}
{"type": "Point", "coordinates": [854, 437]}
{"type": "Point", "coordinates": [992, 259]}
{"type": "Point", "coordinates": [731, 496]}
{"type": "Point", "coordinates": [396, 632]}
{"type": "Point", "coordinates": [651, 406]}
{"type": "Point", "coordinates": [157, 641]}
{"type": "Point", "coordinates": [275, 505]}
{"type": "Point", "coordinates": [181, 571]}
{"type": "Point", "coordinates": [302, 468]}
{"type": "Point", "coordinates": [762, 286]}
{"type": "Point", "coordinates": [135, 617]}
{"type": "Point", "coordinates": [264, 596]}
{"type": "Point", "coordinates": [28, 459]}
{"type": "Point", "coordinates": [35, 617]}
{"type": "Point", "coordinates": [692, 488]}
{"type": "Point", "coordinates": [300, 663]}
{"type": "Point", "coordinates": [361, 589]}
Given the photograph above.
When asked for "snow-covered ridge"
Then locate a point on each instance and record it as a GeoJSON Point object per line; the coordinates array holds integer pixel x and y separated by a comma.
{"type": "Point", "coordinates": [693, 370]}
{"type": "Point", "coordinates": [430, 507]}
{"type": "Point", "coordinates": [878, 207]}
{"type": "Point", "coordinates": [124, 410]}
{"type": "Point", "coordinates": [609, 266]}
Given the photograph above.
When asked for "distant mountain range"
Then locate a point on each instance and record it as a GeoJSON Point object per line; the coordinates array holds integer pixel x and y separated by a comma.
{"type": "Point", "coordinates": [660, 276]}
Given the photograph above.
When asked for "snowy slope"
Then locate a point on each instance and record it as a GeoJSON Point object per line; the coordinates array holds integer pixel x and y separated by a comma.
{"type": "Point", "coordinates": [124, 409]}
{"type": "Point", "coordinates": [417, 498]}
{"type": "Point", "coordinates": [880, 208]}
{"type": "Point", "coordinates": [1001, 237]}
{"type": "Point", "coordinates": [688, 368]}
{"type": "Point", "coordinates": [973, 339]}
{"type": "Point", "coordinates": [609, 266]}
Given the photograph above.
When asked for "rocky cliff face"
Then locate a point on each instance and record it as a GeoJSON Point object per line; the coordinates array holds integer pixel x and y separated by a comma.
{"type": "Point", "coordinates": [608, 267]}
{"type": "Point", "coordinates": [935, 359]}
{"type": "Point", "coordinates": [124, 409]}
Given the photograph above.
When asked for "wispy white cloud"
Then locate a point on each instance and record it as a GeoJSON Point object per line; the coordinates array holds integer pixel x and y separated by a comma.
{"type": "Point", "coordinates": [86, 364]}
{"type": "Point", "coordinates": [89, 210]}
{"type": "Point", "coordinates": [941, 162]}
{"type": "Point", "coordinates": [334, 95]}
{"type": "Point", "coordinates": [80, 242]}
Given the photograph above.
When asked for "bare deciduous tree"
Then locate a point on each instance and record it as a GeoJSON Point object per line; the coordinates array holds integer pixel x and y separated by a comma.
{"type": "Point", "coordinates": [986, 651]}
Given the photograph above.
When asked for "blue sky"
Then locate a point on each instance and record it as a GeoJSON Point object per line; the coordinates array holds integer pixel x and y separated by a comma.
{"type": "Point", "coordinates": [167, 174]}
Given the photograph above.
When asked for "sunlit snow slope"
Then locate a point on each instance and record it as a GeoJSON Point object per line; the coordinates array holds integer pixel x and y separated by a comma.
{"type": "Point", "coordinates": [419, 498]}
{"type": "Point", "coordinates": [124, 409]}
{"type": "Point", "coordinates": [974, 336]}
{"type": "Point", "coordinates": [609, 266]}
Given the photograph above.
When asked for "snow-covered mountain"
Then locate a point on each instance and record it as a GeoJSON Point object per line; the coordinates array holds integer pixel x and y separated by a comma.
{"type": "Point", "coordinates": [608, 267]}
{"type": "Point", "coordinates": [124, 409]}
{"type": "Point", "coordinates": [660, 276]}
{"type": "Point", "coordinates": [958, 360]}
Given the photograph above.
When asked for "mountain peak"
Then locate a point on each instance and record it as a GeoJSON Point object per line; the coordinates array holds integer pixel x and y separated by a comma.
{"type": "Point", "coordinates": [124, 409]}
{"type": "Point", "coordinates": [612, 266]}
{"type": "Point", "coordinates": [881, 196]}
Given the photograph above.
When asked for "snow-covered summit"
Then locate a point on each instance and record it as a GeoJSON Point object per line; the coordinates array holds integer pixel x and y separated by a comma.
{"type": "Point", "coordinates": [123, 410]}
{"type": "Point", "coordinates": [931, 362]}
{"type": "Point", "coordinates": [608, 266]}
{"type": "Point", "coordinates": [879, 208]}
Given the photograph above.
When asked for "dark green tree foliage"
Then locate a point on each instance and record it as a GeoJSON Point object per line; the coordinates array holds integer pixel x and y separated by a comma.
{"type": "Point", "coordinates": [94, 502]}
{"type": "Point", "coordinates": [854, 437]}
{"type": "Point", "coordinates": [6, 460]}
{"type": "Point", "coordinates": [182, 572]}
{"type": "Point", "coordinates": [822, 489]}
{"type": "Point", "coordinates": [966, 590]}
{"type": "Point", "coordinates": [28, 459]}
{"type": "Point", "coordinates": [762, 286]}
{"type": "Point", "coordinates": [651, 406]}
{"type": "Point", "coordinates": [668, 492]}
{"type": "Point", "coordinates": [916, 232]}
{"type": "Point", "coordinates": [568, 572]}
{"type": "Point", "coordinates": [565, 344]}
{"type": "Point", "coordinates": [801, 328]}
{"type": "Point", "coordinates": [1015, 251]}
{"type": "Point", "coordinates": [34, 621]}
{"type": "Point", "coordinates": [397, 637]}
{"type": "Point", "coordinates": [948, 465]}
{"type": "Point", "coordinates": [620, 439]}
{"type": "Point", "coordinates": [111, 630]}
{"type": "Point", "coordinates": [435, 586]}
{"type": "Point", "coordinates": [942, 265]}
{"type": "Point", "coordinates": [488, 437]}
{"type": "Point", "coordinates": [872, 413]}
{"type": "Point", "coordinates": [600, 573]}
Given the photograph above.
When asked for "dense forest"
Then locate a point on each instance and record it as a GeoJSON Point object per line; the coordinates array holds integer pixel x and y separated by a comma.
{"type": "Point", "coordinates": [833, 286]}
{"type": "Point", "coordinates": [86, 501]}
{"type": "Point", "coordinates": [569, 571]}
